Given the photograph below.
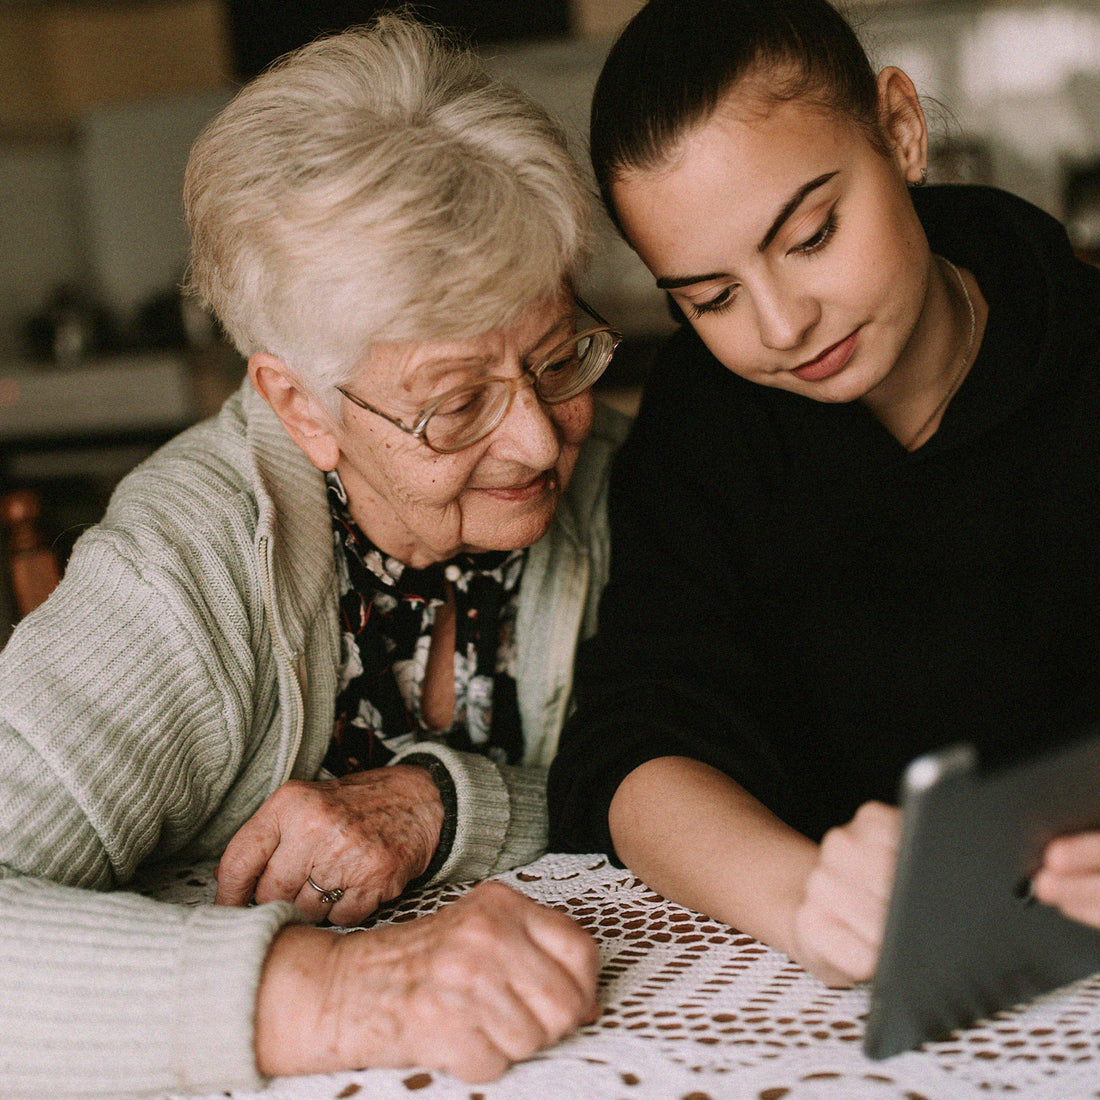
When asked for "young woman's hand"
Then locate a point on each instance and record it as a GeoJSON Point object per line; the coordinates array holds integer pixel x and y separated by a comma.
{"type": "Point", "coordinates": [839, 925]}
{"type": "Point", "coordinates": [1069, 878]}
{"type": "Point", "coordinates": [469, 989]}
{"type": "Point", "coordinates": [366, 835]}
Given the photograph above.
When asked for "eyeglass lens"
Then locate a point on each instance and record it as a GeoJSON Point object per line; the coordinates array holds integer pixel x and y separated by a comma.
{"type": "Point", "coordinates": [574, 367]}
{"type": "Point", "coordinates": [471, 414]}
{"type": "Point", "coordinates": [467, 416]}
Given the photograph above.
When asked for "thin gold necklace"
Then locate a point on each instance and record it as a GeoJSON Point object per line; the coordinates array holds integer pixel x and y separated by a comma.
{"type": "Point", "coordinates": [957, 378]}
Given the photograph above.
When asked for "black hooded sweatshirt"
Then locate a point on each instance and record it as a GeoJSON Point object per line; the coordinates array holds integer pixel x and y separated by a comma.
{"type": "Point", "coordinates": [802, 603]}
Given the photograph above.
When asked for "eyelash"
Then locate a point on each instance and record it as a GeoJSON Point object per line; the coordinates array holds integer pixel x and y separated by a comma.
{"type": "Point", "coordinates": [715, 305]}
{"type": "Point", "coordinates": [821, 238]}
{"type": "Point", "coordinates": [726, 299]}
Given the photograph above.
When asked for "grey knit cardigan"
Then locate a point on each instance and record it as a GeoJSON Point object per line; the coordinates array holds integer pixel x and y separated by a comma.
{"type": "Point", "coordinates": [184, 668]}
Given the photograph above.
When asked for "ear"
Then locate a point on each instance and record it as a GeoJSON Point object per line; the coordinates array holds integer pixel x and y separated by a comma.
{"type": "Point", "coordinates": [304, 419]}
{"type": "Point", "coordinates": [902, 120]}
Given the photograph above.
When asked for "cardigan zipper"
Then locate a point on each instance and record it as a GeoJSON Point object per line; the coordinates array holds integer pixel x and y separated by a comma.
{"type": "Point", "coordinates": [296, 719]}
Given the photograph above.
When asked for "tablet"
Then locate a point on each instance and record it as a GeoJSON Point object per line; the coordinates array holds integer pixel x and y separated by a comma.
{"type": "Point", "coordinates": [964, 938]}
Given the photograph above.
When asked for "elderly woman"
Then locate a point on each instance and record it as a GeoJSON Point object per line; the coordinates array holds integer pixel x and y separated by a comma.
{"type": "Point", "coordinates": [381, 552]}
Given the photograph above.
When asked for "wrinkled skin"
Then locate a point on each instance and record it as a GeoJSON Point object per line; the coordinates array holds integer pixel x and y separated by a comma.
{"type": "Point", "coordinates": [469, 989]}
{"type": "Point", "coordinates": [369, 834]}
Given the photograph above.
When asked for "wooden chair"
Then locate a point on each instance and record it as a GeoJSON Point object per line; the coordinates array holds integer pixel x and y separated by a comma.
{"type": "Point", "coordinates": [32, 566]}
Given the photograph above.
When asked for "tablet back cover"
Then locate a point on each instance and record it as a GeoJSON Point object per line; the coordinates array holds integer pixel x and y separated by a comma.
{"type": "Point", "coordinates": [964, 938]}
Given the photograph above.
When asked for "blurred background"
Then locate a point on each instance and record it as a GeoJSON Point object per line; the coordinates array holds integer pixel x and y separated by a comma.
{"type": "Point", "coordinates": [101, 360]}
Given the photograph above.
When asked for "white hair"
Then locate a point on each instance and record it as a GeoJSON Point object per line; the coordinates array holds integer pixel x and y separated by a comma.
{"type": "Point", "coordinates": [378, 185]}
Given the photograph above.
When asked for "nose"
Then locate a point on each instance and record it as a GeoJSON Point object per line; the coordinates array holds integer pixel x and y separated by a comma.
{"type": "Point", "coordinates": [527, 434]}
{"type": "Point", "coordinates": [784, 315]}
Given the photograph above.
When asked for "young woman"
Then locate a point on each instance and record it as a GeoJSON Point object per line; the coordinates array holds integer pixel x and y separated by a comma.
{"type": "Point", "coordinates": [856, 518]}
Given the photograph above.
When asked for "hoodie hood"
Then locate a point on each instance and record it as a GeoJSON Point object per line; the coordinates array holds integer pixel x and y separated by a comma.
{"type": "Point", "coordinates": [1044, 303]}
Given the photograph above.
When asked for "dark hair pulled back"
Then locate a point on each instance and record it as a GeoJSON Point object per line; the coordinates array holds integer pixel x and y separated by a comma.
{"type": "Point", "coordinates": [676, 59]}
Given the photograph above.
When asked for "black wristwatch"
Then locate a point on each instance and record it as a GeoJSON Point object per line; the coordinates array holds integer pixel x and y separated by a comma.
{"type": "Point", "coordinates": [449, 797]}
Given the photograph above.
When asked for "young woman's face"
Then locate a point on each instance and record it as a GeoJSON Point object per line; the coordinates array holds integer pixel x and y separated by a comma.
{"type": "Point", "coordinates": [791, 244]}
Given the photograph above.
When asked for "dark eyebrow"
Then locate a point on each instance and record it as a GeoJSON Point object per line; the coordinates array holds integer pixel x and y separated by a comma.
{"type": "Point", "coordinates": [672, 282]}
{"type": "Point", "coordinates": [791, 206]}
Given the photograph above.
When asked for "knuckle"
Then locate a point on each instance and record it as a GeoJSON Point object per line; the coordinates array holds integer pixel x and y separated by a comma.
{"type": "Point", "coordinates": [273, 888]}
{"type": "Point", "coordinates": [560, 1016]}
{"type": "Point", "coordinates": [859, 966]}
{"type": "Point", "coordinates": [582, 945]}
{"type": "Point", "coordinates": [347, 919]}
{"type": "Point", "coordinates": [289, 881]}
{"type": "Point", "coordinates": [833, 844]}
{"type": "Point", "coordinates": [390, 889]}
{"type": "Point", "coordinates": [575, 945]}
{"type": "Point", "coordinates": [232, 863]}
{"type": "Point", "coordinates": [385, 863]}
{"type": "Point", "coordinates": [591, 960]}
{"type": "Point", "coordinates": [496, 894]}
{"type": "Point", "coordinates": [458, 967]}
{"type": "Point", "coordinates": [289, 792]}
{"type": "Point", "coordinates": [454, 1040]}
{"type": "Point", "coordinates": [478, 1063]}
{"type": "Point", "coordinates": [870, 813]}
{"type": "Point", "coordinates": [298, 797]}
{"type": "Point", "coordinates": [479, 924]}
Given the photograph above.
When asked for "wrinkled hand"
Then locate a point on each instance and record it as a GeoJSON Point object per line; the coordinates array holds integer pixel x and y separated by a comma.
{"type": "Point", "coordinates": [1070, 877]}
{"type": "Point", "coordinates": [469, 989]}
{"type": "Point", "coordinates": [839, 925]}
{"type": "Point", "coordinates": [368, 834]}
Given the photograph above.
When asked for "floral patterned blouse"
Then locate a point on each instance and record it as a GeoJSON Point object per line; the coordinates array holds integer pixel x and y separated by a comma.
{"type": "Point", "coordinates": [387, 610]}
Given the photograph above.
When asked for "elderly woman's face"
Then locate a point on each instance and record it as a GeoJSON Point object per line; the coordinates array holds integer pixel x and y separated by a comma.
{"type": "Point", "coordinates": [498, 494]}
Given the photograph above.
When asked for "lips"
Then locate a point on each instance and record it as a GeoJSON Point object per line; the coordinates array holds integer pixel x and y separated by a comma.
{"type": "Point", "coordinates": [830, 362]}
{"type": "Point", "coordinates": [529, 490]}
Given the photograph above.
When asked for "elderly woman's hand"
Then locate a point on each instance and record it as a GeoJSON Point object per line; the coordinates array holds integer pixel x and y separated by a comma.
{"type": "Point", "coordinates": [470, 989]}
{"type": "Point", "coordinates": [839, 925]}
{"type": "Point", "coordinates": [1070, 877]}
{"type": "Point", "coordinates": [366, 835]}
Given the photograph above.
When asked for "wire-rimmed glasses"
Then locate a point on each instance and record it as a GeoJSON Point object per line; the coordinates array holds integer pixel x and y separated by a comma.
{"type": "Point", "coordinates": [466, 414]}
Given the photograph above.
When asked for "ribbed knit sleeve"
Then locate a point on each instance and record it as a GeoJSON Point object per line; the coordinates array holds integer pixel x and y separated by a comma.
{"type": "Point", "coordinates": [161, 732]}
{"type": "Point", "coordinates": [501, 813]}
{"type": "Point", "coordinates": [129, 702]}
{"type": "Point", "coordinates": [139, 721]}
{"type": "Point", "coordinates": [114, 995]}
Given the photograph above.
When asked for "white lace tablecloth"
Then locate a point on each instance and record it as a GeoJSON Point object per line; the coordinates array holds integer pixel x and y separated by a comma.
{"type": "Point", "coordinates": [694, 1010]}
